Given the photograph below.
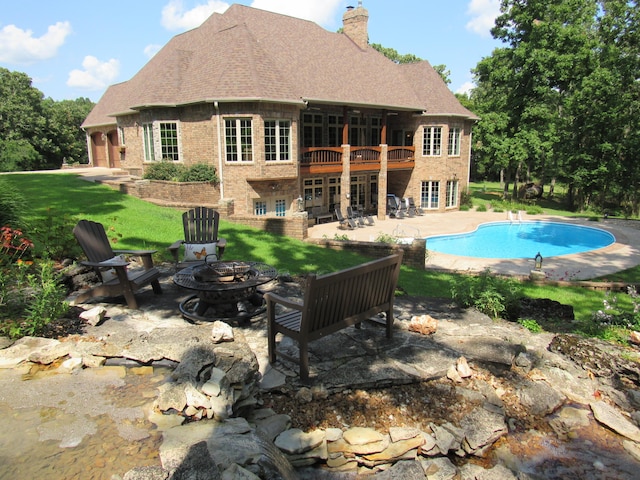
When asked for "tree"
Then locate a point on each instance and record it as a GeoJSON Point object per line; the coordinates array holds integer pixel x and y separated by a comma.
{"type": "Point", "coordinates": [38, 133]}
{"type": "Point", "coordinates": [393, 55]}
{"type": "Point", "coordinates": [68, 141]}
{"type": "Point", "coordinates": [524, 85]}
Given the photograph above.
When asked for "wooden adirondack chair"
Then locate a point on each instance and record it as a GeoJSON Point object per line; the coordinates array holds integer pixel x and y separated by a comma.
{"type": "Point", "coordinates": [112, 267]}
{"type": "Point", "coordinates": [200, 237]}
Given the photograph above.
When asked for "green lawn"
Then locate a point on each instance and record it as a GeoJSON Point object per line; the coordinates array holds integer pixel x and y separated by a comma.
{"type": "Point", "coordinates": [132, 223]}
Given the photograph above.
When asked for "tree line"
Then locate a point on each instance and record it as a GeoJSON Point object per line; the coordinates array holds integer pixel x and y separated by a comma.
{"type": "Point", "coordinates": [36, 132]}
{"type": "Point", "coordinates": [560, 101]}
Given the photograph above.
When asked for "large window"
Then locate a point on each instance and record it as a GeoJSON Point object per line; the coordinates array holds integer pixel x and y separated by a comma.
{"type": "Point", "coordinates": [452, 194]}
{"type": "Point", "coordinates": [238, 139]}
{"type": "Point", "coordinates": [311, 130]}
{"type": "Point", "coordinates": [270, 207]}
{"type": "Point", "coordinates": [260, 207]}
{"type": "Point", "coordinates": [147, 138]}
{"type": "Point", "coordinates": [336, 124]}
{"type": "Point", "coordinates": [454, 141]}
{"type": "Point", "coordinates": [169, 141]}
{"type": "Point", "coordinates": [429, 195]}
{"type": "Point", "coordinates": [432, 142]}
{"type": "Point", "coordinates": [358, 185]}
{"type": "Point", "coordinates": [277, 140]}
{"type": "Point", "coordinates": [281, 207]}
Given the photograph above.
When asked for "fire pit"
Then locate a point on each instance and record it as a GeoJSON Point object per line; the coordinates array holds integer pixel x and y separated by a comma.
{"type": "Point", "coordinates": [227, 290]}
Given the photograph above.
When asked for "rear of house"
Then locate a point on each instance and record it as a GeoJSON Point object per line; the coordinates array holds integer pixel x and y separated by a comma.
{"type": "Point", "coordinates": [293, 117]}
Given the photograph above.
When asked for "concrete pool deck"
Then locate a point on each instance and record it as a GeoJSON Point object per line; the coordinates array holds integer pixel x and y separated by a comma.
{"type": "Point", "coordinates": [623, 254]}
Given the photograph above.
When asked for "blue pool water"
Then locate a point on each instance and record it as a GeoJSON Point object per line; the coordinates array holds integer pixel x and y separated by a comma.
{"type": "Point", "coordinates": [522, 240]}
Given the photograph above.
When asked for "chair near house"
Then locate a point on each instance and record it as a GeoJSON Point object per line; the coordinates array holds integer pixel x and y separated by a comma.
{"type": "Point", "coordinates": [200, 226]}
{"type": "Point", "coordinates": [111, 266]}
{"type": "Point", "coordinates": [355, 215]}
{"type": "Point", "coordinates": [345, 222]}
{"type": "Point", "coordinates": [412, 207]}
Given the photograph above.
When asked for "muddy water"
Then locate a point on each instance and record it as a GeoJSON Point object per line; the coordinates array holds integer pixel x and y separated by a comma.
{"type": "Point", "coordinates": [592, 453]}
{"type": "Point", "coordinates": [91, 425]}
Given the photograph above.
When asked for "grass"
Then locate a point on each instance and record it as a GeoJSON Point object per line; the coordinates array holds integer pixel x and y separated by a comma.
{"type": "Point", "coordinates": [133, 223]}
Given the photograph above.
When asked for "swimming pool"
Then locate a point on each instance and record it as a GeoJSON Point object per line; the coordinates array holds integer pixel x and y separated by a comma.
{"type": "Point", "coordinates": [522, 240]}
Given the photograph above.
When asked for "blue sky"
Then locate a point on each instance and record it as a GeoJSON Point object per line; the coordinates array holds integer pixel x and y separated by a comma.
{"type": "Point", "coordinates": [76, 48]}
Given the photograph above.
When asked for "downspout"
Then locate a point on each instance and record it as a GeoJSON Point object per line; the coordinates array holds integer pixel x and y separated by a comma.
{"type": "Point", "coordinates": [469, 161]}
{"type": "Point", "coordinates": [220, 176]}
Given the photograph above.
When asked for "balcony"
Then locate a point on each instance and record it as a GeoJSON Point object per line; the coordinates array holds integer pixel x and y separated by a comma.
{"type": "Point", "coordinates": [328, 160]}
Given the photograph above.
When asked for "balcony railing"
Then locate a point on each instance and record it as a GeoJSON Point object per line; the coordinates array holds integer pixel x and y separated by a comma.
{"type": "Point", "coordinates": [329, 159]}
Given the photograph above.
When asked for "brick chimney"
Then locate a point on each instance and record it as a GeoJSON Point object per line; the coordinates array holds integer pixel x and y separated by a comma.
{"type": "Point", "coordinates": [354, 25]}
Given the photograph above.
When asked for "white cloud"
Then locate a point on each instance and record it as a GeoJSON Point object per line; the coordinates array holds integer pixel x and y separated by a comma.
{"type": "Point", "coordinates": [21, 47]}
{"type": "Point", "coordinates": [483, 14]}
{"type": "Point", "coordinates": [466, 87]}
{"type": "Point", "coordinates": [95, 75]}
{"type": "Point", "coordinates": [318, 11]}
{"type": "Point", "coordinates": [175, 17]}
{"type": "Point", "coordinates": [151, 50]}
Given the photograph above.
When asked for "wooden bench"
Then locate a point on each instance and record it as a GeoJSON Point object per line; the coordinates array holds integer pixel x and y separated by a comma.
{"type": "Point", "coordinates": [332, 302]}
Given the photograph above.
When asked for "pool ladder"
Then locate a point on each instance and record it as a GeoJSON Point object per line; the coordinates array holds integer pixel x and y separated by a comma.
{"type": "Point", "coordinates": [515, 219]}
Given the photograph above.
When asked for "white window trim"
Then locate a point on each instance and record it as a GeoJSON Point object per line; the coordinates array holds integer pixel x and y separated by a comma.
{"type": "Point", "coordinates": [431, 128]}
{"type": "Point", "coordinates": [238, 134]}
{"type": "Point", "coordinates": [278, 144]}
{"type": "Point", "coordinates": [454, 143]}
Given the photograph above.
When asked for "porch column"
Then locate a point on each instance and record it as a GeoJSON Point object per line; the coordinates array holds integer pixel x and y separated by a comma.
{"type": "Point", "coordinates": [345, 126]}
{"type": "Point", "coordinates": [382, 182]}
{"type": "Point", "coordinates": [345, 179]}
{"type": "Point", "coordinates": [383, 132]}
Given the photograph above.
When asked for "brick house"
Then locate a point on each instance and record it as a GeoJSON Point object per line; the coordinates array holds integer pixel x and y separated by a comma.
{"type": "Point", "coordinates": [291, 115]}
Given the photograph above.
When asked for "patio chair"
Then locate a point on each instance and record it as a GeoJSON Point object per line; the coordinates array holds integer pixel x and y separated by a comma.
{"type": "Point", "coordinates": [413, 207]}
{"type": "Point", "coordinates": [345, 222]}
{"type": "Point", "coordinates": [201, 240]}
{"type": "Point", "coordinates": [355, 216]}
{"type": "Point", "coordinates": [111, 266]}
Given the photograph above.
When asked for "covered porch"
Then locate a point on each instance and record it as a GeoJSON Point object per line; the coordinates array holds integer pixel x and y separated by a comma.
{"type": "Point", "coordinates": [345, 158]}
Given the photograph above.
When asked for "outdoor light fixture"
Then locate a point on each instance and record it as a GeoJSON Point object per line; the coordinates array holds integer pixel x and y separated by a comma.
{"type": "Point", "coordinates": [300, 203]}
{"type": "Point", "coordinates": [538, 260]}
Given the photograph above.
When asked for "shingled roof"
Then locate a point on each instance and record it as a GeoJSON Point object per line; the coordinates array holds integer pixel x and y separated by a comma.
{"type": "Point", "coordinates": [247, 54]}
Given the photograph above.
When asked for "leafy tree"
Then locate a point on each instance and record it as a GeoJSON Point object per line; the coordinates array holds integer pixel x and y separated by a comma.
{"type": "Point", "coordinates": [38, 133]}
{"type": "Point", "coordinates": [393, 54]}
{"type": "Point", "coordinates": [561, 99]}
{"type": "Point", "coordinates": [67, 138]}
{"type": "Point", "coordinates": [525, 84]}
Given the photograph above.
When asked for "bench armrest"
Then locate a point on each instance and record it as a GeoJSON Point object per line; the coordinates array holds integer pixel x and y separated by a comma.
{"type": "Point", "coordinates": [270, 297]}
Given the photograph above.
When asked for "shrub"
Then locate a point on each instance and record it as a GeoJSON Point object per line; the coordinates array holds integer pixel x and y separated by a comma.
{"type": "Point", "coordinates": [53, 237]}
{"type": "Point", "coordinates": [165, 170]}
{"type": "Point", "coordinates": [31, 297]}
{"type": "Point", "coordinates": [385, 238]}
{"type": "Point", "coordinates": [531, 325]}
{"type": "Point", "coordinates": [492, 295]}
{"type": "Point", "coordinates": [12, 205]}
{"type": "Point", "coordinates": [199, 172]}
{"type": "Point", "coordinates": [175, 172]}
{"type": "Point", "coordinates": [481, 208]}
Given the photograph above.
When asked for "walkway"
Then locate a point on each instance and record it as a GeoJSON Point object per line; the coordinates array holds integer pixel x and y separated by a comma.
{"type": "Point", "coordinates": [623, 254]}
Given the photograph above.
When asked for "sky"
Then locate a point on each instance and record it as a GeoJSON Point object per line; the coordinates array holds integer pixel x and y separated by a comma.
{"type": "Point", "coordinates": [73, 48]}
